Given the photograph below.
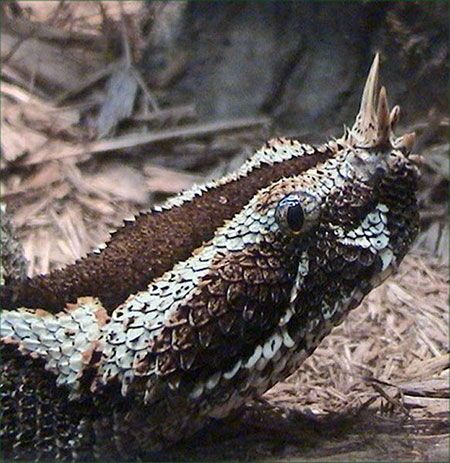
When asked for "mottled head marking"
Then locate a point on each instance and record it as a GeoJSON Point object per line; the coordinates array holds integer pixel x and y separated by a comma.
{"type": "Point", "coordinates": [281, 272]}
{"type": "Point", "coordinates": [305, 234]}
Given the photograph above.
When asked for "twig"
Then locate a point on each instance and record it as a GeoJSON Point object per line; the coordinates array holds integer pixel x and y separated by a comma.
{"type": "Point", "coordinates": [90, 80]}
{"type": "Point", "coordinates": [15, 47]}
{"type": "Point", "coordinates": [164, 114]}
{"type": "Point", "coordinates": [125, 39]}
{"type": "Point", "coordinates": [14, 76]}
{"type": "Point", "coordinates": [149, 96]}
{"type": "Point", "coordinates": [27, 29]}
{"type": "Point", "coordinates": [21, 95]}
{"type": "Point", "coordinates": [188, 131]}
{"type": "Point", "coordinates": [394, 402]}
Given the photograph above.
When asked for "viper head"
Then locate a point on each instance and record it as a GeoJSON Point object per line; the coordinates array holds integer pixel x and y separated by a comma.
{"type": "Point", "coordinates": [305, 234]}
{"type": "Point", "coordinates": [350, 219]}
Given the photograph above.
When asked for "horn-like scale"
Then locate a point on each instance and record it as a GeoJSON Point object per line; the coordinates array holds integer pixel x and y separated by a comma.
{"type": "Point", "coordinates": [374, 125]}
{"type": "Point", "coordinates": [142, 343]}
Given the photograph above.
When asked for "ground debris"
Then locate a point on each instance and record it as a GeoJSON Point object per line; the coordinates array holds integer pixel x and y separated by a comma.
{"type": "Point", "coordinates": [376, 388]}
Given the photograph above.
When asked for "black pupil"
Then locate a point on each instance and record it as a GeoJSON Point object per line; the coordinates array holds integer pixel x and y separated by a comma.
{"type": "Point", "coordinates": [295, 217]}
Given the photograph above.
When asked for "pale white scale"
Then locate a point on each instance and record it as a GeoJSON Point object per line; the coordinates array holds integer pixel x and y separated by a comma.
{"type": "Point", "coordinates": [278, 150]}
{"type": "Point", "coordinates": [154, 307]}
{"type": "Point", "coordinates": [66, 341]}
{"type": "Point", "coordinates": [285, 358]}
{"type": "Point", "coordinates": [372, 233]}
{"type": "Point", "coordinates": [276, 349]}
{"type": "Point", "coordinates": [125, 339]}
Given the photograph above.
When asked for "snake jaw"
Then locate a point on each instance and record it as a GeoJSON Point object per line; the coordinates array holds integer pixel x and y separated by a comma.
{"type": "Point", "coordinates": [240, 306]}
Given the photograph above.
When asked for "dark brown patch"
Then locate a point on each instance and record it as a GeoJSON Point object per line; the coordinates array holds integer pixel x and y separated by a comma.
{"type": "Point", "coordinates": [143, 250]}
{"type": "Point", "coordinates": [226, 332]}
{"type": "Point", "coordinates": [38, 421]}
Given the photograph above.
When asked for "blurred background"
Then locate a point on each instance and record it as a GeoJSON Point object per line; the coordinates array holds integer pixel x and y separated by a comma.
{"type": "Point", "coordinates": [108, 108]}
{"type": "Point", "coordinates": [138, 100]}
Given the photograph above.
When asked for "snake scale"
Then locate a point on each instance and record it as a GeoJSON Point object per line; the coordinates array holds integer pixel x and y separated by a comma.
{"type": "Point", "coordinates": [199, 306]}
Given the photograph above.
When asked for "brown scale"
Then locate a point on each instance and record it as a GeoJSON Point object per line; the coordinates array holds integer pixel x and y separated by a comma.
{"type": "Point", "coordinates": [229, 314]}
{"type": "Point", "coordinates": [334, 269]}
{"type": "Point", "coordinates": [209, 332]}
{"type": "Point", "coordinates": [403, 216]}
{"type": "Point", "coordinates": [350, 204]}
{"type": "Point", "coordinates": [38, 421]}
{"type": "Point", "coordinates": [335, 273]}
{"type": "Point", "coordinates": [142, 250]}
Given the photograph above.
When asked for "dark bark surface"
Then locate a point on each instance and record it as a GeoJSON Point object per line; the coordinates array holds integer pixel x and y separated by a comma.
{"type": "Point", "coordinates": [304, 63]}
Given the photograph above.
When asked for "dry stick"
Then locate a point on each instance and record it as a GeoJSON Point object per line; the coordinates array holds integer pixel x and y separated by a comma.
{"type": "Point", "coordinates": [432, 388]}
{"type": "Point", "coordinates": [26, 29]}
{"type": "Point", "coordinates": [164, 114]}
{"type": "Point", "coordinates": [26, 189]}
{"type": "Point", "coordinates": [189, 131]}
{"type": "Point", "coordinates": [21, 95]}
{"type": "Point", "coordinates": [125, 40]}
{"type": "Point", "coordinates": [135, 72]}
{"type": "Point", "coordinates": [147, 93]}
{"type": "Point", "coordinates": [90, 80]}
{"type": "Point", "coordinates": [13, 75]}
{"type": "Point", "coordinates": [397, 403]}
{"type": "Point", "coordinates": [15, 47]}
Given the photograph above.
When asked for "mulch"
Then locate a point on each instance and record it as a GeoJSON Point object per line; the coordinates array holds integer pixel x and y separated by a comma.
{"type": "Point", "coordinates": [74, 165]}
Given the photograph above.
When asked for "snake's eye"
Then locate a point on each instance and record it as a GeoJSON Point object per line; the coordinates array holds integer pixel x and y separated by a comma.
{"type": "Point", "coordinates": [295, 217]}
{"type": "Point", "coordinates": [296, 212]}
{"type": "Point", "coordinates": [290, 213]}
